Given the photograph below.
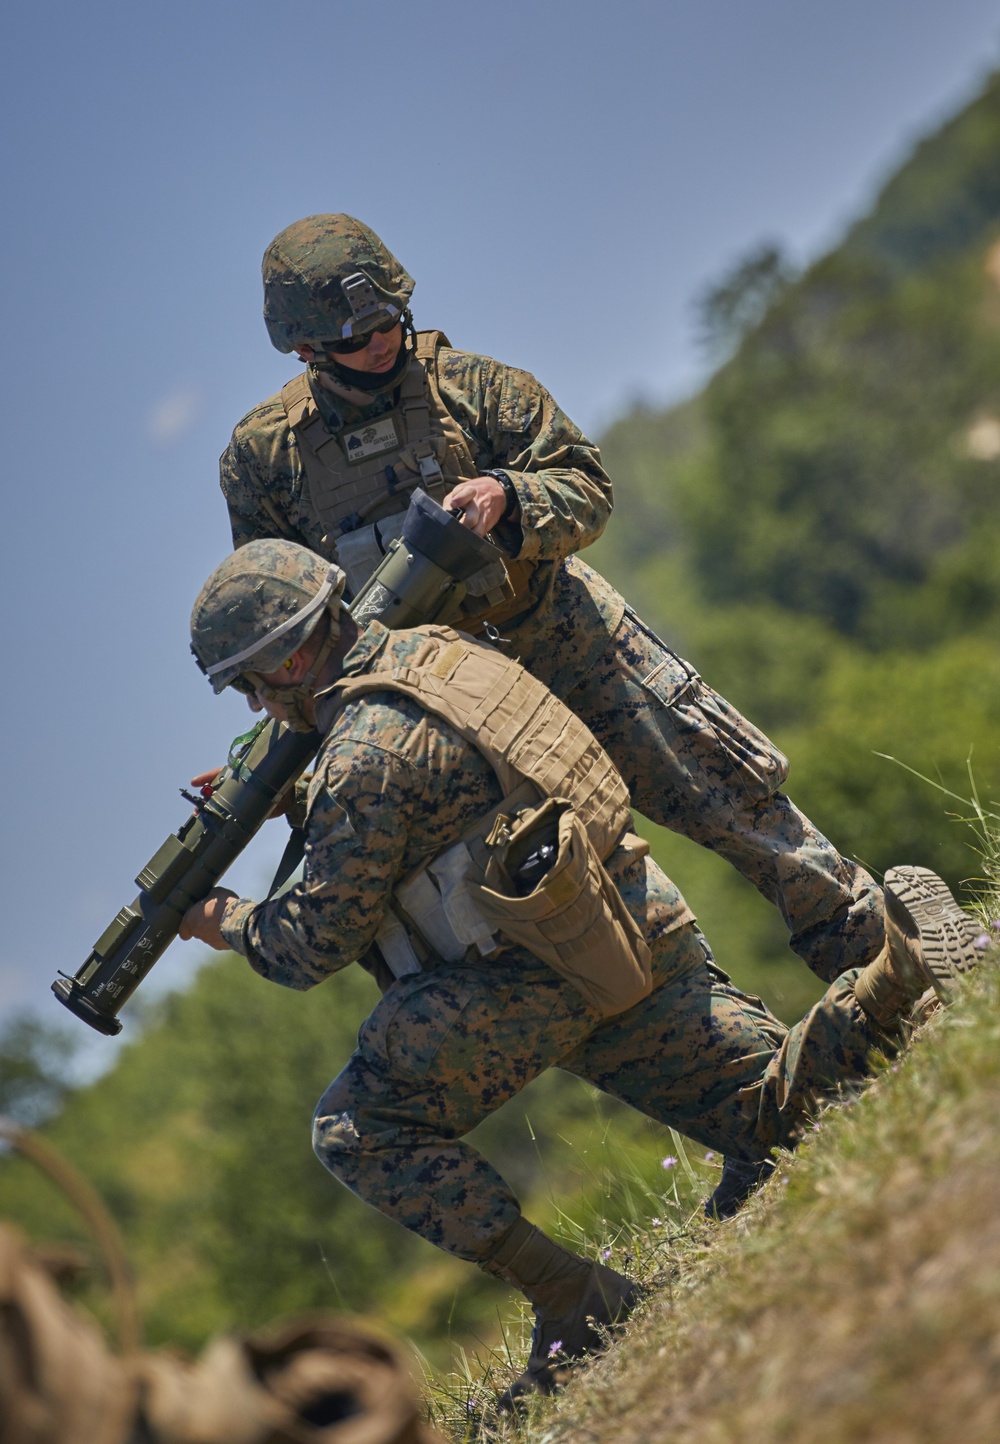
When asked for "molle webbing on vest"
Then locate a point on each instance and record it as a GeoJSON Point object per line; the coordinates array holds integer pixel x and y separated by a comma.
{"type": "Point", "coordinates": [342, 491]}
{"type": "Point", "coordinates": [430, 450]}
{"type": "Point", "coordinates": [523, 731]}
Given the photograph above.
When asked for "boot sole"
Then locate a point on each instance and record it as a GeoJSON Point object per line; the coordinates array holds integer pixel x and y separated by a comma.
{"type": "Point", "coordinates": [919, 901]}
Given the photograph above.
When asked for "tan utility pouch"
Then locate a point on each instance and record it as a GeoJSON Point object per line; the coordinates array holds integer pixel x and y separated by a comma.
{"type": "Point", "coordinates": [574, 918]}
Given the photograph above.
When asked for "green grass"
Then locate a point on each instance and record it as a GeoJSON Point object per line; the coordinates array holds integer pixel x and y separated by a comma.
{"type": "Point", "coordinates": [856, 1298]}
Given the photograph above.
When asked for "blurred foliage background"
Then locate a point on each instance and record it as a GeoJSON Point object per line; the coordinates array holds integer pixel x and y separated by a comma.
{"type": "Point", "coordinates": [819, 533]}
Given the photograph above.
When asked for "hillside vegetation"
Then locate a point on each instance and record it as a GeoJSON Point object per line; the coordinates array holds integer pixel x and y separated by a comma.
{"type": "Point", "coordinates": [819, 531]}
{"type": "Point", "coordinates": [858, 1296]}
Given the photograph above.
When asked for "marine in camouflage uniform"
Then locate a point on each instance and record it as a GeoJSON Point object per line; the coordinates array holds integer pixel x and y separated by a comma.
{"type": "Point", "coordinates": [292, 470]}
{"type": "Point", "coordinates": [448, 1044]}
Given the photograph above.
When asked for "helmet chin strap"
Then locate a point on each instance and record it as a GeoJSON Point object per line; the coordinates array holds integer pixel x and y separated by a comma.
{"type": "Point", "coordinates": [296, 695]}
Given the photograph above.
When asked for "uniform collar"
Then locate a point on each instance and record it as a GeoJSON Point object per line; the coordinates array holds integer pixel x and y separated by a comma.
{"type": "Point", "coordinates": [337, 412]}
{"type": "Point", "coordinates": [362, 657]}
{"type": "Point", "coordinates": [371, 643]}
{"type": "Point", "coordinates": [330, 407]}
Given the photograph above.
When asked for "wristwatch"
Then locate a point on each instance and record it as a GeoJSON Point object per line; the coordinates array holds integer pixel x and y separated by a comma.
{"type": "Point", "coordinates": [509, 491]}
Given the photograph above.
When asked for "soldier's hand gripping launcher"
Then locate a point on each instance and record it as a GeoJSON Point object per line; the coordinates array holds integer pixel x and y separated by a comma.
{"type": "Point", "coordinates": [421, 579]}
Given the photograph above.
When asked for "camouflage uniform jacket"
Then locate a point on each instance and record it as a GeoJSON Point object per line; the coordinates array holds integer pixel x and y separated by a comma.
{"type": "Point", "coordinates": [510, 422]}
{"type": "Point", "coordinates": [394, 785]}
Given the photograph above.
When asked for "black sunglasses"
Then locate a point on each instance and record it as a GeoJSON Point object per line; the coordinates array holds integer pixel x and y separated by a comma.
{"type": "Point", "coordinates": [358, 343]}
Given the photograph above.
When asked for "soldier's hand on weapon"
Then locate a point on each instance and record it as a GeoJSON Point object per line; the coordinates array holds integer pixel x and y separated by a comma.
{"type": "Point", "coordinates": [205, 781]}
{"type": "Point", "coordinates": [204, 919]}
{"type": "Point", "coordinates": [482, 500]}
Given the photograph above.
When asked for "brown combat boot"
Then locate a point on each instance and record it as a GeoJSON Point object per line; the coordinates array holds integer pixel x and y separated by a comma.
{"type": "Point", "coordinates": [576, 1303]}
{"type": "Point", "coordinates": [929, 940]}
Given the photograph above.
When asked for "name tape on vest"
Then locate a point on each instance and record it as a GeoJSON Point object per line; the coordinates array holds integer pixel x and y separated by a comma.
{"type": "Point", "coordinates": [371, 440]}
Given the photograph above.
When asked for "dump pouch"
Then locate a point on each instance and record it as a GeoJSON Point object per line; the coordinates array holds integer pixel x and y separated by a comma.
{"type": "Point", "coordinates": [561, 788]}
{"type": "Point", "coordinates": [573, 919]}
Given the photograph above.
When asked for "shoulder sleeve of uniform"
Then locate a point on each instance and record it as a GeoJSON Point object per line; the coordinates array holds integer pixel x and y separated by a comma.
{"type": "Point", "coordinates": [261, 475]}
{"type": "Point", "coordinates": [462, 371]}
{"type": "Point", "coordinates": [361, 803]}
{"type": "Point", "coordinates": [521, 401]}
{"type": "Point", "coordinates": [564, 493]}
{"type": "Point", "coordinates": [392, 785]}
{"type": "Point", "coordinates": [463, 381]}
{"type": "Point", "coordinates": [254, 434]}
{"type": "Point", "coordinates": [507, 404]}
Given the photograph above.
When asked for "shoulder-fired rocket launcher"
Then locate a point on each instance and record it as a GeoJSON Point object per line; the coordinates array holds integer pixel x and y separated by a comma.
{"type": "Point", "coordinates": [422, 578]}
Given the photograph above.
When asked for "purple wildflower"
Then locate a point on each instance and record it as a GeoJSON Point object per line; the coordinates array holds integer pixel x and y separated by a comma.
{"type": "Point", "coordinates": [554, 1348]}
{"type": "Point", "coordinates": [983, 941]}
{"type": "Point", "coordinates": [669, 1162]}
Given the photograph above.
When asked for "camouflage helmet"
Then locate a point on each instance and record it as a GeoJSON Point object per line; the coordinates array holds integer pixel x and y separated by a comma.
{"type": "Point", "coordinates": [259, 606]}
{"type": "Point", "coordinates": [330, 278]}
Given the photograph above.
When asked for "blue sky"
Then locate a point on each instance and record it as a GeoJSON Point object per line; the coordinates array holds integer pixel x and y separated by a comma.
{"type": "Point", "coordinates": [562, 179]}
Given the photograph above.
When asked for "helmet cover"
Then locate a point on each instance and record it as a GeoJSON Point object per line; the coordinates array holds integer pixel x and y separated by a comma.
{"type": "Point", "coordinates": [260, 605]}
{"type": "Point", "coordinates": [330, 278]}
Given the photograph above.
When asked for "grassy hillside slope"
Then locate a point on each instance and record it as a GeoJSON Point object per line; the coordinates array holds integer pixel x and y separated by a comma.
{"type": "Point", "coordinates": [819, 531]}
{"type": "Point", "coordinates": [857, 1298]}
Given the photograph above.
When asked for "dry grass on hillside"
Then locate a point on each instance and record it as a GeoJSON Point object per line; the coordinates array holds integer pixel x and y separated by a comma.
{"type": "Point", "coordinates": [858, 1297]}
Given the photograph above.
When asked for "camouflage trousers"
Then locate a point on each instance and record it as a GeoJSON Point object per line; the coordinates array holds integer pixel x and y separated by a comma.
{"type": "Point", "coordinates": [694, 764]}
{"type": "Point", "coordinates": [446, 1048]}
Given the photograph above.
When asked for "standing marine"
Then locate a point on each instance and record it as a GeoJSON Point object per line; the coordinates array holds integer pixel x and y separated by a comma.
{"type": "Point", "coordinates": [380, 408]}
{"type": "Point", "coordinates": [469, 841]}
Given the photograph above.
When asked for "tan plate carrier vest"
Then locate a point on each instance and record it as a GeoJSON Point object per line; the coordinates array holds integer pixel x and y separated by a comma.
{"type": "Point", "coordinates": [555, 774]}
{"type": "Point", "coordinates": [359, 501]}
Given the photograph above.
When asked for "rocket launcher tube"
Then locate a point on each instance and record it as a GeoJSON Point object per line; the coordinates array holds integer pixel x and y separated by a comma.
{"type": "Point", "coordinates": [187, 866]}
{"type": "Point", "coordinates": [421, 579]}
{"type": "Point", "coordinates": [423, 575]}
